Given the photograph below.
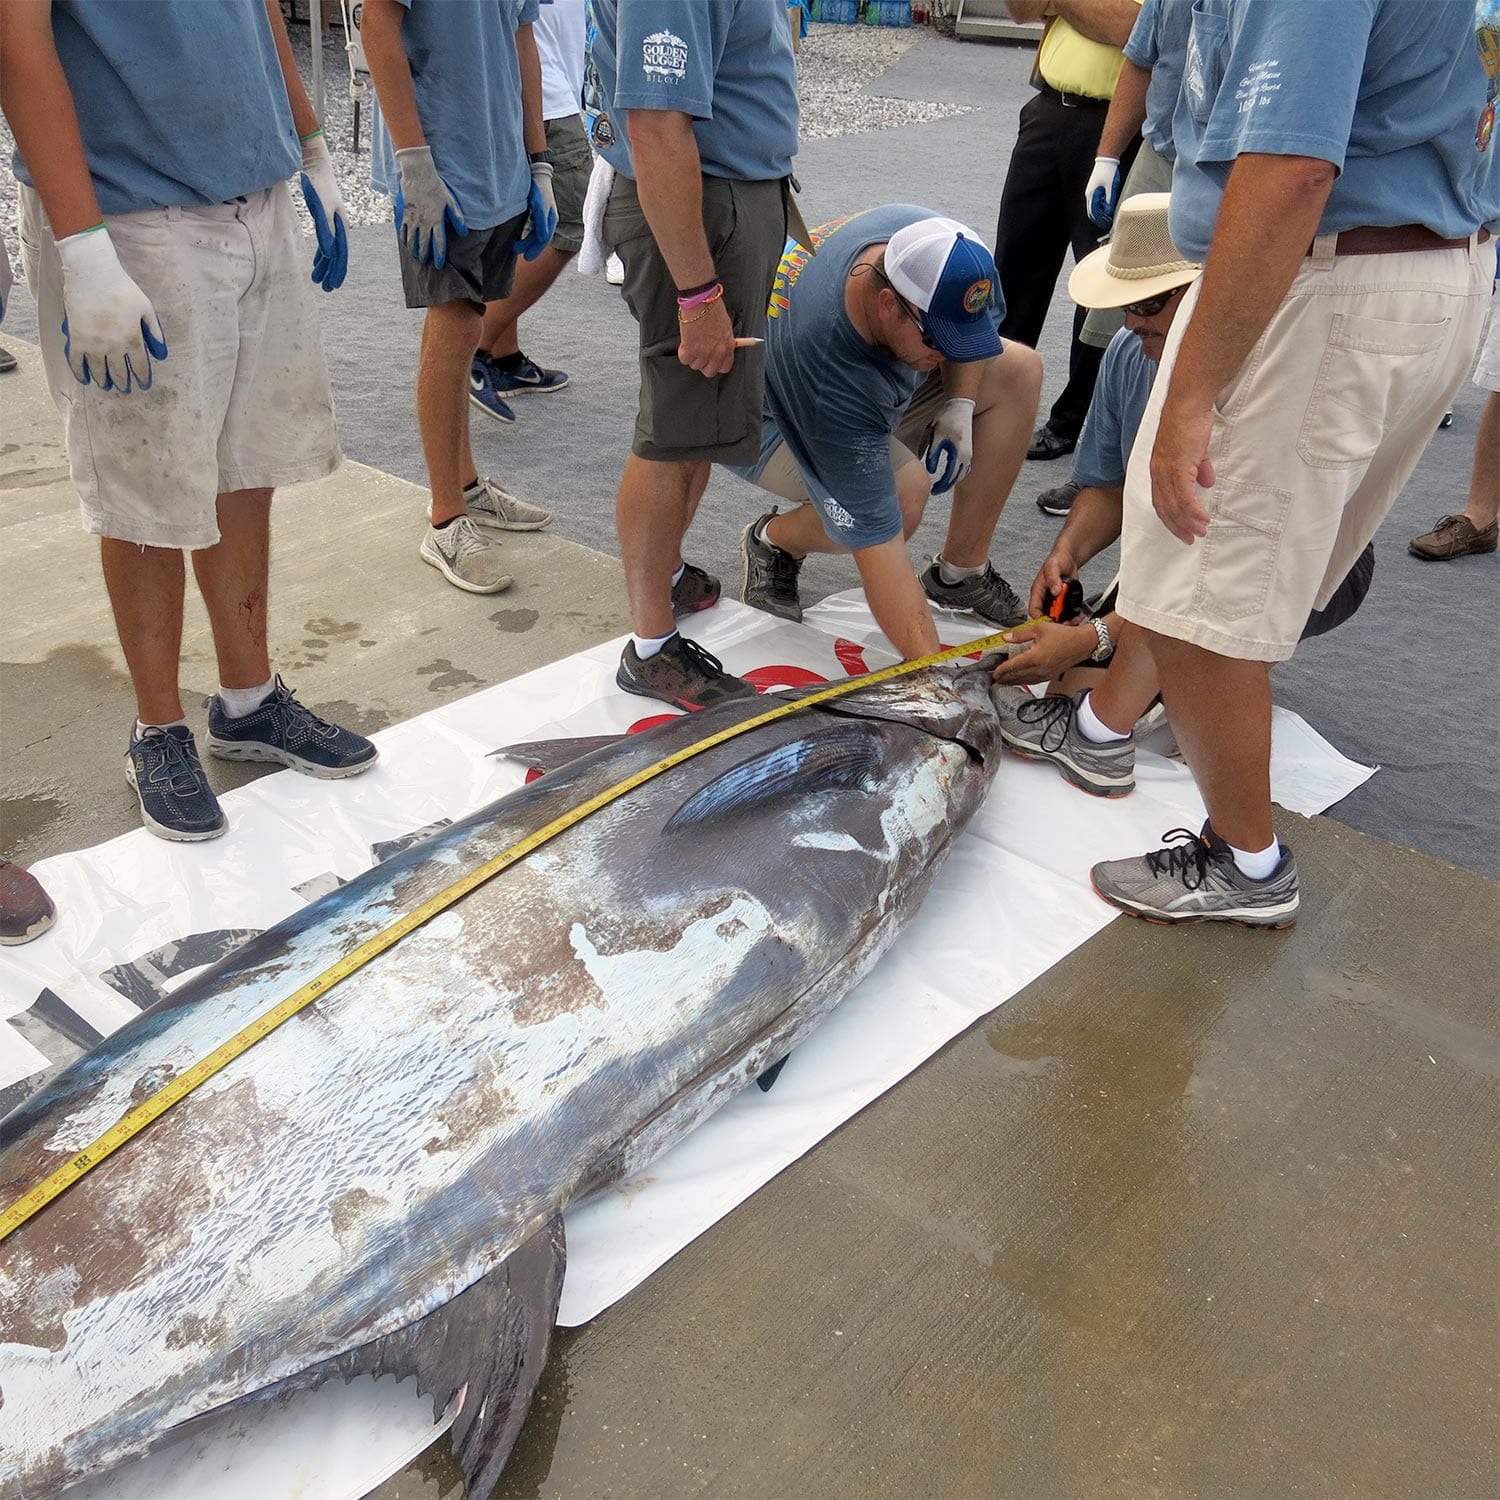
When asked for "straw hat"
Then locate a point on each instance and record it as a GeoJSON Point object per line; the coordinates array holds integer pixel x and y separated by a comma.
{"type": "Point", "coordinates": [1139, 262]}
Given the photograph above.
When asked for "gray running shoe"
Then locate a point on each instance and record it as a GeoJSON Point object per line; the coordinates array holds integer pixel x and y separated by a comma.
{"type": "Point", "coordinates": [695, 590]}
{"type": "Point", "coordinates": [176, 800]}
{"type": "Point", "coordinates": [986, 594]}
{"type": "Point", "coordinates": [770, 574]}
{"type": "Point", "coordinates": [1058, 501]}
{"type": "Point", "coordinates": [1195, 879]}
{"type": "Point", "coordinates": [466, 557]}
{"type": "Point", "coordinates": [493, 505]}
{"type": "Point", "coordinates": [682, 673]}
{"type": "Point", "coordinates": [1047, 729]}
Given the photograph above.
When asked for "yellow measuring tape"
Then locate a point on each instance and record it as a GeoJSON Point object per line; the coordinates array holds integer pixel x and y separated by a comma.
{"type": "Point", "coordinates": [177, 1089]}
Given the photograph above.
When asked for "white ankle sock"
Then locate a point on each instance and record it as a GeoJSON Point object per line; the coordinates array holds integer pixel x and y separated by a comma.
{"type": "Point", "coordinates": [1093, 728]}
{"type": "Point", "coordinates": [761, 530]}
{"type": "Point", "coordinates": [646, 646]}
{"type": "Point", "coordinates": [238, 702]}
{"type": "Point", "coordinates": [140, 728]}
{"type": "Point", "coordinates": [1257, 864]}
{"type": "Point", "coordinates": [951, 574]}
{"type": "Point", "coordinates": [677, 576]}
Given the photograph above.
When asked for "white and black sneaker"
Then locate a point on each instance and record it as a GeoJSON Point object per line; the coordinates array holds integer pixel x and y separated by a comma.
{"type": "Point", "coordinates": [984, 594]}
{"type": "Point", "coordinates": [1047, 729]}
{"type": "Point", "coordinates": [1195, 879]}
{"type": "Point", "coordinates": [770, 574]}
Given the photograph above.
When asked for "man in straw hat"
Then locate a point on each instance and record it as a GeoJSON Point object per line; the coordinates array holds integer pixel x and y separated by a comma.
{"type": "Point", "coordinates": [1103, 678]}
{"type": "Point", "coordinates": [1334, 155]}
{"type": "Point", "coordinates": [886, 382]}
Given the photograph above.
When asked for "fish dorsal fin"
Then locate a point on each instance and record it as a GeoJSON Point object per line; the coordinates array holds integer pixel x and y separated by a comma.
{"type": "Point", "coordinates": [552, 755]}
{"type": "Point", "coordinates": [840, 757]}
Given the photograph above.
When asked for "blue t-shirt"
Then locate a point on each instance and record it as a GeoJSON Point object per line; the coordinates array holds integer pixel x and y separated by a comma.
{"type": "Point", "coordinates": [833, 399]}
{"type": "Point", "coordinates": [1158, 43]}
{"type": "Point", "coordinates": [1392, 92]}
{"type": "Point", "coordinates": [727, 63]}
{"type": "Point", "coordinates": [462, 55]}
{"type": "Point", "coordinates": [1114, 418]}
{"type": "Point", "coordinates": [179, 103]}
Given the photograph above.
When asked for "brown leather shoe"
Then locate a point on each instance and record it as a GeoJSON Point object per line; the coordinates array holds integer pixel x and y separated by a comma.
{"type": "Point", "coordinates": [26, 910]}
{"type": "Point", "coordinates": [1453, 536]}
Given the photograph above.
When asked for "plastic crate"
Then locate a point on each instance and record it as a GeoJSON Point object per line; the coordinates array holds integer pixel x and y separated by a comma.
{"type": "Point", "coordinates": [837, 12]}
{"type": "Point", "coordinates": [887, 12]}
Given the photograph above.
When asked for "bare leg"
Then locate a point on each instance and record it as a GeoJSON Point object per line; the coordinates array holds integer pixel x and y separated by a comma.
{"type": "Point", "coordinates": [1130, 685]}
{"type": "Point", "coordinates": [1484, 485]}
{"type": "Point", "coordinates": [533, 278]}
{"type": "Point", "coordinates": [449, 338]}
{"type": "Point", "coordinates": [652, 512]}
{"type": "Point", "coordinates": [145, 591]}
{"type": "Point", "coordinates": [233, 577]}
{"type": "Point", "coordinates": [1220, 709]}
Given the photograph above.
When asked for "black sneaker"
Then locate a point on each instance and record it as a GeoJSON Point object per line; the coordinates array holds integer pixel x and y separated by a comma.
{"type": "Point", "coordinates": [176, 800]}
{"type": "Point", "coordinates": [682, 673]}
{"type": "Point", "coordinates": [695, 590]}
{"type": "Point", "coordinates": [1047, 443]}
{"type": "Point", "coordinates": [284, 731]}
{"type": "Point", "coordinates": [1058, 501]}
{"type": "Point", "coordinates": [985, 594]}
{"type": "Point", "coordinates": [770, 574]}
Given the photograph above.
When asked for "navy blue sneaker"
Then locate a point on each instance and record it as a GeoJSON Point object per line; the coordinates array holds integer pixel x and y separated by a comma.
{"type": "Point", "coordinates": [284, 731]}
{"type": "Point", "coordinates": [176, 800]}
{"type": "Point", "coordinates": [526, 378]}
{"type": "Point", "coordinates": [484, 395]}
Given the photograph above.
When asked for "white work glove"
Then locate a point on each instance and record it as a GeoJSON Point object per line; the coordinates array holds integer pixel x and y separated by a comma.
{"type": "Point", "coordinates": [325, 204]}
{"type": "Point", "coordinates": [426, 212]}
{"type": "Point", "coordinates": [949, 451]}
{"type": "Point", "coordinates": [541, 205]}
{"type": "Point", "coordinates": [1103, 191]}
{"type": "Point", "coordinates": [110, 330]}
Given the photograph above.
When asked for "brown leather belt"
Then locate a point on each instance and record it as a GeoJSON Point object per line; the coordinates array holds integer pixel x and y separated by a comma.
{"type": "Point", "coordinates": [1396, 239]}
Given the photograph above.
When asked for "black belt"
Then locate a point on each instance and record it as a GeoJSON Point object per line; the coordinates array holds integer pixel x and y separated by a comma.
{"type": "Point", "coordinates": [1071, 101]}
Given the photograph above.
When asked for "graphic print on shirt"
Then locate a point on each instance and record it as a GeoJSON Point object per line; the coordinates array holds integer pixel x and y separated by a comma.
{"type": "Point", "coordinates": [664, 55]}
{"type": "Point", "coordinates": [794, 256]}
{"type": "Point", "coordinates": [1487, 37]}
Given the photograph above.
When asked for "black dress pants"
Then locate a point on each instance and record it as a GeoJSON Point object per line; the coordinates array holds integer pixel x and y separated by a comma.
{"type": "Point", "coordinates": [1042, 216]}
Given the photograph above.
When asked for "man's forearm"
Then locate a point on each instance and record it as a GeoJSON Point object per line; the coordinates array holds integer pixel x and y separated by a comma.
{"type": "Point", "coordinates": [1127, 111]}
{"type": "Point", "coordinates": [1094, 522]}
{"type": "Point", "coordinates": [962, 378]}
{"type": "Point", "coordinates": [303, 116]}
{"type": "Point", "coordinates": [38, 104]}
{"type": "Point", "coordinates": [1107, 21]}
{"type": "Point", "coordinates": [669, 182]}
{"type": "Point", "coordinates": [1268, 217]}
{"type": "Point", "coordinates": [896, 598]}
{"type": "Point", "coordinates": [532, 124]}
{"type": "Point", "coordinates": [390, 72]}
{"type": "Point", "coordinates": [1023, 11]}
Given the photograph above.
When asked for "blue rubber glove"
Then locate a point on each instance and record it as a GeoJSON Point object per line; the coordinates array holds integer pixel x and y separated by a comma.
{"type": "Point", "coordinates": [949, 451]}
{"type": "Point", "coordinates": [325, 203]}
{"type": "Point", "coordinates": [426, 212]}
{"type": "Point", "coordinates": [1103, 191]}
{"type": "Point", "coordinates": [110, 329]}
{"type": "Point", "coordinates": [542, 206]}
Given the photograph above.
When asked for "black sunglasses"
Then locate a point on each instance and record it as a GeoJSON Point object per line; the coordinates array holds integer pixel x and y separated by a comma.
{"type": "Point", "coordinates": [906, 307]}
{"type": "Point", "coordinates": [1152, 305]}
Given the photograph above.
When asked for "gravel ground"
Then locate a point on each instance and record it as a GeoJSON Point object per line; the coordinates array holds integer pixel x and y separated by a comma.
{"type": "Point", "coordinates": [837, 65]}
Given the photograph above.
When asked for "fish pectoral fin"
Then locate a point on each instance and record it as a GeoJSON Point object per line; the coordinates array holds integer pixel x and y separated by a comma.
{"type": "Point", "coordinates": [552, 755]}
{"type": "Point", "coordinates": [845, 755]}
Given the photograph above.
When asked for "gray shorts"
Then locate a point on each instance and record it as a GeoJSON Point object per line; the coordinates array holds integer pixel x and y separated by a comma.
{"type": "Point", "coordinates": [480, 268]}
{"type": "Point", "coordinates": [572, 161]}
{"type": "Point", "coordinates": [684, 417]}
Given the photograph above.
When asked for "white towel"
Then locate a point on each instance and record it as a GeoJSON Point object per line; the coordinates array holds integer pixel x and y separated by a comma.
{"type": "Point", "coordinates": [595, 252]}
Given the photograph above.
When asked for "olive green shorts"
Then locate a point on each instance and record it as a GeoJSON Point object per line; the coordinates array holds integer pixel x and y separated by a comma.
{"type": "Point", "coordinates": [682, 416]}
{"type": "Point", "coordinates": [572, 161]}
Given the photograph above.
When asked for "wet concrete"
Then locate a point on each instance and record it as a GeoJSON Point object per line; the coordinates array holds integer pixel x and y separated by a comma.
{"type": "Point", "coordinates": [1201, 1212]}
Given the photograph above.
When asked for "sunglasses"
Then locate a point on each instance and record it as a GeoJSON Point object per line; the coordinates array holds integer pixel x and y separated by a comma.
{"type": "Point", "coordinates": [906, 307]}
{"type": "Point", "coordinates": [1152, 305]}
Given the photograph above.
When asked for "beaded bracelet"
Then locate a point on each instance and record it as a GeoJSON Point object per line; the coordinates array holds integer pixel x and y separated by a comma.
{"type": "Point", "coordinates": [711, 293]}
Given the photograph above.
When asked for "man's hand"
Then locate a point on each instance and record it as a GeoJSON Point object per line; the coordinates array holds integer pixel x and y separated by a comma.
{"type": "Point", "coordinates": [1051, 649]}
{"type": "Point", "coordinates": [541, 204]}
{"type": "Point", "coordinates": [110, 330]}
{"type": "Point", "coordinates": [1179, 464]}
{"type": "Point", "coordinates": [706, 340]}
{"type": "Point", "coordinates": [426, 211]}
{"type": "Point", "coordinates": [1057, 568]}
{"type": "Point", "coordinates": [1103, 191]}
{"type": "Point", "coordinates": [325, 203]}
{"type": "Point", "coordinates": [949, 452]}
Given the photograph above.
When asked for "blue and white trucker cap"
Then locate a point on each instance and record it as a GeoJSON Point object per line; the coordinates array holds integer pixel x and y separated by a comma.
{"type": "Point", "coordinates": [943, 268]}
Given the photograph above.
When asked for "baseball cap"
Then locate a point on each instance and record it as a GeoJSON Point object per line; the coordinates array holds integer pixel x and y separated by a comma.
{"type": "Point", "coordinates": [943, 268]}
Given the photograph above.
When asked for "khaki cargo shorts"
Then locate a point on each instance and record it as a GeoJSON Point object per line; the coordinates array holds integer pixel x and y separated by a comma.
{"type": "Point", "coordinates": [1311, 444]}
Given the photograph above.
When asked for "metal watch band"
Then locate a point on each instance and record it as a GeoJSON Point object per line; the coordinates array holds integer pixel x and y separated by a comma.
{"type": "Point", "coordinates": [1105, 646]}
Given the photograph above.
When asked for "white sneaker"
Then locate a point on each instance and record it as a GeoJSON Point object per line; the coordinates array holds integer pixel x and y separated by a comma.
{"type": "Point", "coordinates": [466, 557]}
{"type": "Point", "coordinates": [614, 271]}
{"type": "Point", "coordinates": [495, 506]}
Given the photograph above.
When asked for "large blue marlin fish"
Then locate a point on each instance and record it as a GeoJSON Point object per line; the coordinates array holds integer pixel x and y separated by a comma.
{"type": "Point", "coordinates": [378, 1186]}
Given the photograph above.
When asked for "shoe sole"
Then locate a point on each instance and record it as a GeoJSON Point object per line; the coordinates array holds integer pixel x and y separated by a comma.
{"type": "Point", "coordinates": [39, 927]}
{"type": "Point", "coordinates": [681, 610]}
{"type": "Point", "coordinates": [1069, 772]}
{"type": "Point", "coordinates": [792, 613]}
{"type": "Point", "coordinates": [973, 614]}
{"type": "Point", "coordinates": [1164, 919]}
{"type": "Point", "coordinates": [161, 830]}
{"type": "Point", "coordinates": [627, 686]}
{"type": "Point", "coordinates": [535, 390]}
{"type": "Point", "coordinates": [1449, 556]}
{"type": "Point", "coordinates": [505, 421]}
{"type": "Point", "coordinates": [495, 524]}
{"type": "Point", "coordinates": [1054, 510]}
{"type": "Point", "coordinates": [235, 750]}
{"type": "Point", "coordinates": [469, 588]}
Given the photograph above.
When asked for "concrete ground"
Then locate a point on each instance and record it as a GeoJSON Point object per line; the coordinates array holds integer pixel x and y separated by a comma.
{"type": "Point", "coordinates": [1200, 1212]}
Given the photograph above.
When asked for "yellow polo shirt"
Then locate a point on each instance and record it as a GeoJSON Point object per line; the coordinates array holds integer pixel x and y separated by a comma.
{"type": "Point", "coordinates": [1074, 64]}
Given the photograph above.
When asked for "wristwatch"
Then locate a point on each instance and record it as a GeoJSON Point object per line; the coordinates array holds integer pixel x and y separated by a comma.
{"type": "Point", "coordinates": [1105, 649]}
{"type": "Point", "coordinates": [536, 156]}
